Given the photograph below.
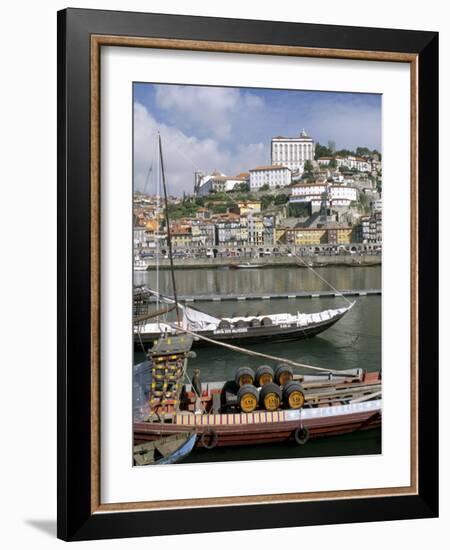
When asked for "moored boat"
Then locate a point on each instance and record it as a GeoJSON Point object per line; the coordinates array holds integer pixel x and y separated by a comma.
{"type": "Point", "coordinates": [278, 327]}
{"type": "Point", "coordinates": [140, 265]}
{"type": "Point", "coordinates": [268, 406]}
{"type": "Point", "coordinates": [165, 450]}
{"type": "Point", "coordinates": [248, 265]}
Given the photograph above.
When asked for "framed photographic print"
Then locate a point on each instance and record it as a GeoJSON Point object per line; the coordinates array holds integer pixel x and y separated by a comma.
{"type": "Point", "coordinates": [247, 274]}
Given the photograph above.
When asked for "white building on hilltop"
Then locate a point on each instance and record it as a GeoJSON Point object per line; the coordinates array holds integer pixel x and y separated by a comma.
{"type": "Point", "coordinates": [272, 176]}
{"type": "Point", "coordinates": [323, 193]}
{"type": "Point", "coordinates": [358, 163]}
{"type": "Point", "coordinates": [292, 152]}
{"type": "Point", "coordinates": [215, 182]}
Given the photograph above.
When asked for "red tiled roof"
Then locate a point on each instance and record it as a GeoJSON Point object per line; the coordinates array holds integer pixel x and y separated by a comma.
{"type": "Point", "coordinates": [271, 167]}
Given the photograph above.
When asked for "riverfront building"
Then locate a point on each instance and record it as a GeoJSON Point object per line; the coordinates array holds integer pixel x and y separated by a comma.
{"type": "Point", "coordinates": [229, 232]}
{"type": "Point", "coordinates": [371, 229]}
{"type": "Point", "coordinates": [292, 152]}
{"type": "Point", "coordinates": [309, 236]}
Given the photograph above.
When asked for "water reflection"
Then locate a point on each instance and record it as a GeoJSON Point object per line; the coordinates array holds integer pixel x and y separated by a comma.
{"type": "Point", "coordinates": [269, 279]}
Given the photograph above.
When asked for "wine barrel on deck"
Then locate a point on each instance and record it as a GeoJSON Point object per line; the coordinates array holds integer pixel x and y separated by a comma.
{"type": "Point", "coordinates": [244, 375]}
{"type": "Point", "coordinates": [283, 373]}
{"type": "Point", "coordinates": [293, 395]}
{"type": "Point", "coordinates": [270, 397]}
{"type": "Point", "coordinates": [263, 375]}
{"type": "Point", "coordinates": [247, 398]}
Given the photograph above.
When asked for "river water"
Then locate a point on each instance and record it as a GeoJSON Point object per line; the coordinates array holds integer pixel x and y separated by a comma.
{"type": "Point", "coordinates": [355, 341]}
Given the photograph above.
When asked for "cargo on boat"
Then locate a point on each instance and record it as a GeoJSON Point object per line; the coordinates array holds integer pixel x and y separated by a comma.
{"type": "Point", "coordinates": [266, 405]}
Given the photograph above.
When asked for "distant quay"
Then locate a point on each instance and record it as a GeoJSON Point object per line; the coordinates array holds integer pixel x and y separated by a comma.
{"type": "Point", "coordinates": [276, 296]}
{"type": "Point", "coordinates": [284, 261]}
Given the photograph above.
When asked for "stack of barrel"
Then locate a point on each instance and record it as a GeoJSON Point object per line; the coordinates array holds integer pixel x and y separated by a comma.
{"type": "Point", "coordinates": [166, 373]}
{"type": "Point", "coordinates": [268, 388]}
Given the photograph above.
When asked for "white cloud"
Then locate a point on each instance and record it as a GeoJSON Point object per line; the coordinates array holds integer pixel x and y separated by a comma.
{"type": "Point", "coordinates": [209, 110]}
{"type": "Point", "coordinates": [183, 154]}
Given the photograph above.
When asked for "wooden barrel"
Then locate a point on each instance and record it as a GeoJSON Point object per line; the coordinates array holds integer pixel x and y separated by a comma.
{"type": "Point", "coordinates": [244, 375]}
{"type": "Point", "coordinates": [283, 373]}
{"type": "Point", "coordinates": [266, 322]}
{"type": "Point", "coordinates": [263, 375]}
{"type": "Point", "coordinates": [240, 324]}
{"type": "Point", "coordinates": [255, 323]}
{"type": "Point", "coordinates": [224, 325]}
{"type": "Point", "coordinates": [270, 397]}
{"type": "Point", "coordinates": [293, 395]}
{"type": "Point", "coordinates": [247, 398]}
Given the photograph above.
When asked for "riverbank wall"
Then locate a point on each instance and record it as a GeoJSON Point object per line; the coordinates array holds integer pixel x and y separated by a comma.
{"type": "Point", "coordinates": [362, 260]}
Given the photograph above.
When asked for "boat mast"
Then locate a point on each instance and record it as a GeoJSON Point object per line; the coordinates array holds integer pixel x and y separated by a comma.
{"type": "Point", "coordinates": [169, 238]}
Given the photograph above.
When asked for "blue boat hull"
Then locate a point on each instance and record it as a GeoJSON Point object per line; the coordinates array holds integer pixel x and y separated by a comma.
{"type": "Point", "coordinates": [180, 453]}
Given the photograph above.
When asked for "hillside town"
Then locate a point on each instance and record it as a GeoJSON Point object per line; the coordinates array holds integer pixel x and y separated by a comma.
{"type": "Point", "coordinates": [308, 200]}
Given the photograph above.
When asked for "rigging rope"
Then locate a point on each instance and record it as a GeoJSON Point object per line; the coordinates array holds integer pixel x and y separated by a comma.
{"type": "Point", "coordinates": [202, 407]}
{"type": "Point", "coordinates": [256, 353]}
{"type": "Point", "coordinates": [323, 279]}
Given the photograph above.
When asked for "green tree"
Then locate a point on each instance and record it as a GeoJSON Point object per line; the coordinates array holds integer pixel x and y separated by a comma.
{"type": "Point", "coordinates": [333, 163]}
{"type": "Point", "coordinates": [243, 187]}
{"type": "Point", "coordinates": [322, 151]}
{"type": "Point", "coordinates": [266, 201]}
{"type": "Point", "coordinates": [363, 151]}
{"type": "Point", "coordinates": [282, 198]}
{"type": "Point", "coordinates": [300, 210]}
{"type": "Point", "coordinates": [219, 208]}
{"type": "Point", "coordinates": [345, 153]}
{"type": "Point", "coordinates": [218, 196]}
{"type": "Point", "coordinates": [308, 166]}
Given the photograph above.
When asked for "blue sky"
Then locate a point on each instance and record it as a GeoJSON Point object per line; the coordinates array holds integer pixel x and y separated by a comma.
{"type": "Point", "coordinates": [229, 129]}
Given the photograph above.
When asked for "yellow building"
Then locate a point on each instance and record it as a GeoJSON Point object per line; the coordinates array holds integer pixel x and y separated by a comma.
{"type": "Point", "coordinates": [151, 225]}
{"type": "Point", "coordinates": [247, 207]}
{"type": "Point", "coordinates": [244, 229]}
{"type": "Point", "coordinates": [255, 230]}
{"type": "Point", "coordinates": [307, 236]}
{"type": "Point", "coordinates": [280, 235]}
{"type": "Point", "coordinates": [344, 235]}
{"type": "Point", "coordinates": [180, 240]}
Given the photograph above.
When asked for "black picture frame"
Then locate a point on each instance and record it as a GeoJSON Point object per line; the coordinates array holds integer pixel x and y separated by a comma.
{"type": "Point", "coordinates": [76, 521]}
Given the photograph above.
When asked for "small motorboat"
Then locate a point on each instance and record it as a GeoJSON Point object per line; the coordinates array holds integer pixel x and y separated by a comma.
{"type": "Point", "coordinates": [247, 265]}
{"type": "Point", "coordinates": [165, 450]}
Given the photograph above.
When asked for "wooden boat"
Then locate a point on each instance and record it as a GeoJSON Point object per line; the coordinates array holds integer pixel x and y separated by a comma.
{"type": "Point", "coordinates": [279, 327]}
{"type": "Point", "coordinates": [248, 265]}
{"type": "Point", "coordinates": [223, 414]}
{"type": "Point", "coordinates": [165, 450]}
